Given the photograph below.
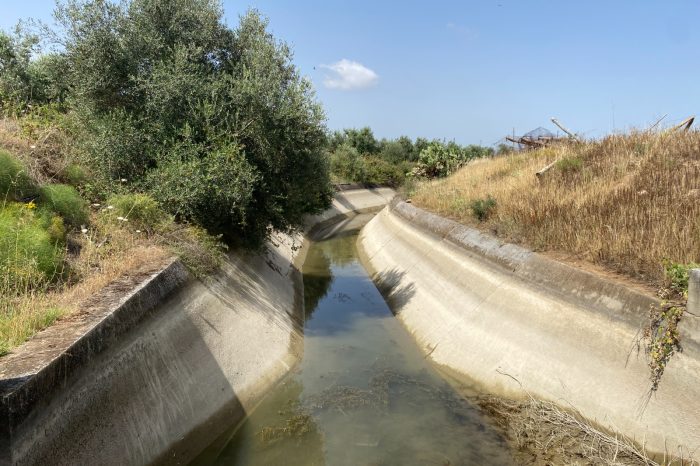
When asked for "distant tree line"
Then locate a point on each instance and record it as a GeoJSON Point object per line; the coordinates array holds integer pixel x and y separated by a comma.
{"type": "Point", "coordinates": [357, 156]}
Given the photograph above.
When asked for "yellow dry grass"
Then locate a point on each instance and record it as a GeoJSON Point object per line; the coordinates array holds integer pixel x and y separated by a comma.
{"type": "Point", "coordinates": [627, 202]}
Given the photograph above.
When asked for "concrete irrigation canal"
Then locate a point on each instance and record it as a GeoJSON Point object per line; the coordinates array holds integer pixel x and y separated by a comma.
{"type": "Point", "coordinates": [293, 356]}
{"type": "Point", "coordinates": [363, 392]}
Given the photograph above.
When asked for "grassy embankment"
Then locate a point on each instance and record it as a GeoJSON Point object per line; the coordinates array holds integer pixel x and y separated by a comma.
{"type": "Point", "coordinates": [57, 249]}
{"type": "Point", "coordinates": [108, 164]}
{"type": "Point", "coordinates": [628, 203]}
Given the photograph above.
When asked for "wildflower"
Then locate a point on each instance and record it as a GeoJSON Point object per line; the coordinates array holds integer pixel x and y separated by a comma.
{"type": "Point", "coordinates": [32, 146]}
{"type": "Point", "coordinates": [123, 180]}
{"type": "Point", "coordinates": [138, 231]}
{"type": "Point", "coordinates": [96, 204]}
{"type": "Point", "coordinates": [30, 205]}
{"type": "Point", "coordinates": [120, 218]}
{"type": "Point", "coordinates": [83, 230]}
{"type": "Point", "coordinates": [110, 207]}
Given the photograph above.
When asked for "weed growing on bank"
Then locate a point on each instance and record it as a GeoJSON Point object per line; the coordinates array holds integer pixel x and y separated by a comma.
{"type": "Point", "coordinates": [57, 249]}
{"type": "Point", "coordinates": [661, 336]}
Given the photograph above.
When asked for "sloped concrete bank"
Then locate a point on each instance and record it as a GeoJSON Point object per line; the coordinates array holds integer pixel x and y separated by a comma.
{"type": "Point", "coordinates": [168, 363]}
{"type": "Point", "coordinates": [515, 322]}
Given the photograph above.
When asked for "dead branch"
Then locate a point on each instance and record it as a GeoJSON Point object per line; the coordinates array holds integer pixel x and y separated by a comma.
{"type": "Point", "coordinates": [683, 125]}
{"type": "Point", "coordinates": [569, 133]}
{"type": "Point", "coordinates": [545, 169]}
{"type": "Point", "coordinates": [656, 123]}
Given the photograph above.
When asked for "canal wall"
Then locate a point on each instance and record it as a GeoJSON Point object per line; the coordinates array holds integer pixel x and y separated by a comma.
{"type": "Point", "coordinates": [514, 322]}
{"type": "Point", "coordinates": [166, 363]}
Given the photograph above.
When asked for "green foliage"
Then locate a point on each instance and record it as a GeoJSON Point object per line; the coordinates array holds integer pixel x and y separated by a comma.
{"type": "Point", "coordinates": [30, 323]}
{"type": "Point", "coordinates": [216, 191]}
{"type": "Point", "coordinates": [378, 171]}
{"type": "Point", "coordinates": [29, 256]}
{"type": "Point", "coordinates": [662, 335]}
{"type": "Point", "coordinates": [65, 201]}
{"type": "Point", "coordinates": [216, 124]}
{"type": "Point", "coordinates": [27, 80]}
{"type": "Point", "coordinates": [438, 159]}
{"type": "Point", "coordinates": [362, 140]}
{"type": "Point", "coordinates": [504, 149]}
{"type": "Point", "coordinates": [663, 339]}
{"type": "Point", "coordinates": [141, 210]}
{"type": "Point", "coordinates": [677, 276]}
{"type": "Point", "coordinates": [570, 164]}
{"type": "Point", "coordinates": [75, 175]}
{"type": "Point", "coordinates": [56, 229]}
{"type": "Point", "coordinates": [15, 183]}
{"type": "Point", "coordinates": [483, 208]}
{"type": "Point", "coordinates": [396, 152]}
{"type": "Point", "coordinates": [347, 164]}
{"type": "Point", "coordinates": [201, 252]}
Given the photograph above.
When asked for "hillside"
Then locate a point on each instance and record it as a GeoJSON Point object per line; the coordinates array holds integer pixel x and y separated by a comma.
{"type": "Point", "coordinates": [629, 203]}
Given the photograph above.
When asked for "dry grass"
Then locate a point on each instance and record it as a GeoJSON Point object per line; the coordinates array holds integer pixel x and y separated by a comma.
{"type": "Point", "coordinates": [542, 433]}
{"type": "Point", "coordinates": [627, 202]}
{"type": "Point", "coordinates": [42, 147]}
{"type": "Point", "coordinates": [101, 257]}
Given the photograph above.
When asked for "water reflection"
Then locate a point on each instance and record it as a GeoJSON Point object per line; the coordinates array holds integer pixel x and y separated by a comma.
{"type": "Point", "coordinates": [363, 394]}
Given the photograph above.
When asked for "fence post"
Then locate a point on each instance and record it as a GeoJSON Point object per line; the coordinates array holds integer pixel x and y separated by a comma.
{"type": "Point", "coordinates": [694, 292]}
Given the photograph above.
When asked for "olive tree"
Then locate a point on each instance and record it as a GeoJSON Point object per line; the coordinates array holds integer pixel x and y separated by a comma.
{"type": "Point", "coordinates": [215, 122]}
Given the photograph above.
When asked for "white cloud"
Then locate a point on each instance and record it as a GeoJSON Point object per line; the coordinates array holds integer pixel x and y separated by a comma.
{"type": "Point", "coordinates": [348, 75]}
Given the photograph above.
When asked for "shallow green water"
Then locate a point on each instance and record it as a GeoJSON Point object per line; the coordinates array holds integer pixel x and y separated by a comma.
{"type": "Point", "coordinates": [363, 393]}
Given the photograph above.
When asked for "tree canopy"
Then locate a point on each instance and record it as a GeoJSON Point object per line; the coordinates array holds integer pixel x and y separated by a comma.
{"type": "Point", "coordinates": [215, 122]}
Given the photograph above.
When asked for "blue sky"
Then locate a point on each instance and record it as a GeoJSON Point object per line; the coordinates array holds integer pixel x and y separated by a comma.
{"type": "Point", "coordinates": [473, 71]}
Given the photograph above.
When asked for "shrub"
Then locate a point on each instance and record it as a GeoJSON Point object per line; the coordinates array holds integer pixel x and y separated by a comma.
{"type": "Point", "coordinates": [215, 191]}
{"type": "Point", "coordinates": [483, 208]}
{"type": "Point", "coordinates": [75, 175]}
{"type": "Point", "coordinates": [570, 164]}
{"type": "Point", "coordinates": [15, 183]}
{"type": "Point", "coordinates": [395, 152]}
{"type": "Point", "coordinates": [56, 229]}
{"type": "Point", "coordinates": [65, 201]}
{"type": "Point", "coordinates": [29, 256]}
{"type": "Point", "coordinates": [437, 161]}
{"type": "Point", "coordinates": [140, 209]}
{"type": "Point", "coordinates": [347, 164]}
{"type": "Point", "coordinates": [677, 276]}
{"type": "Point", "coordinates": [380, 172]}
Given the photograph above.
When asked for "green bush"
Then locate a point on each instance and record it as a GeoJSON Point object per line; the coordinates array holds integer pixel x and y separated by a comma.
{"type": "Point", "coordinates": [216, 191]}
{"type": "Point", "coordinates": [75, 175]}
{"type": "Point", "coordinates": [380, 172]}
{"type": "Point", "coordinates": [15, 183]}
{"type": "Point", "coordinates": [65, 201]}
{"type": "Point", "coordinates": [483, 208]}
{"type": "Point", "coordinates": [438, 159]}
{"type": "Point", "coordinates": [570, 164]}
{"type": "Point", "coordinates": [56, 229]}
{"type": "Point", "coordinates": [677, 275]}
{"type": "Point", "coordinates": [141, 210]}
{"type": "Point", "coordinates": [347, 164]}
{"type": "Point", "coordinates": [29, 256]}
